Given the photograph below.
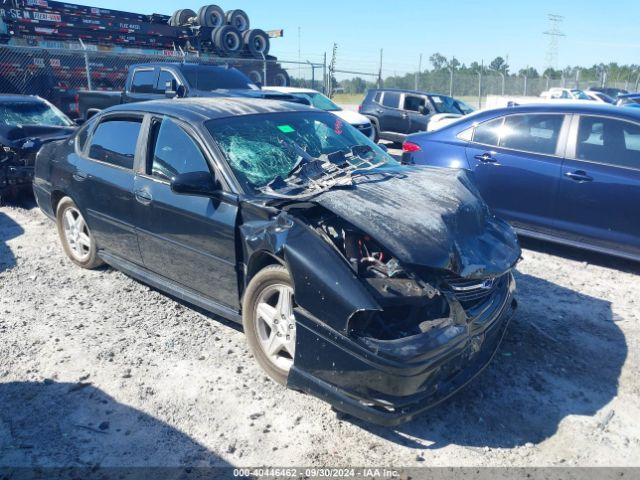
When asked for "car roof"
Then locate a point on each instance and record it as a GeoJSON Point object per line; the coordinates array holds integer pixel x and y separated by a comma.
{"type": "Point", "coordinates": [415, 92]}
{"type": "Point", "coordinates": [202, 109]}
{"type": "Point", "coordinates": [562, 107]}
{"type": "Point", "coordinates": [291, 89]}
{"type": "Point", "coordinates": [8, 97]}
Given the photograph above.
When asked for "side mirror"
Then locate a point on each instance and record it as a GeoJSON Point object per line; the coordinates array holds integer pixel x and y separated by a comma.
{"type": "Point", "coordinates": [423, 110]}
{"type": "Point", "coordinates": [80, 121]}
{"type": "Point", "coordinates": [170, 89]}
{"type": "Point", "coordinates": [173, 90]}
{"type": "Point", "coordinates": [202, 184]}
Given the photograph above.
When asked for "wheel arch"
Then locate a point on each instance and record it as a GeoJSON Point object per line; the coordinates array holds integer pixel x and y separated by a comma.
{"type": "Point", "coordinates": [56, 196]}
{"type": "Point", "coordinates": [259, 260]}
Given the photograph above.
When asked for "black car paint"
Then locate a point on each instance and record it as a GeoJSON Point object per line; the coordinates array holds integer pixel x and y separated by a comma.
{"type": "Point", "coordinates": [386, 382]}
{"type": "Point", "coordinates": [92, 101]}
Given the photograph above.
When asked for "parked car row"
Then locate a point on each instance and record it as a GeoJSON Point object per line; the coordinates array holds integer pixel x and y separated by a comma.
{"type": "Point", "coordinates": [612, 96]}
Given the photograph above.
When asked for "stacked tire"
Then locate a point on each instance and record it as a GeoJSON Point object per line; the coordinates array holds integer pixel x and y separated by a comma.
{"type": "Point", "coordinates": [229, 33]}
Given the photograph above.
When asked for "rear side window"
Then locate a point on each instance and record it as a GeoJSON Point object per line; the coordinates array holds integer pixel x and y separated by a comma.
{"type": "Point", "coordinates": [532, 133]}
{"type": "Point", "coordinates": [391, 99]}
{"type": "Point", "coordinates": [378, 97]}
{"type": "Point", "coordinates": [609, 141]}
{"type": "Point", "coordinates": [413, 103]}
{"type": "Point", "coordinates": [114, 141]}
{"type": "Point", "coordinates": [488, 133]}
{"type": "Point", "coordinates": [175, 152]}
{"type": "Point", "coordinates": [143, 81]}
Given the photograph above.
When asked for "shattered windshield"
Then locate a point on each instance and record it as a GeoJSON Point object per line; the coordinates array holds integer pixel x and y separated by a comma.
{"type": "Point", "coordinates": [294, 151]}
{"type": "Point", "coordinates": [32, 113]}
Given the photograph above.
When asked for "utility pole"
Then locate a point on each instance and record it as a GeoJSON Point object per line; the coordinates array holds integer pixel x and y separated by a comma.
{"type": "Point", "coordinates": [299, 54]}
{"type": "Point", "coordinates": [332, 68]}
{"type": "Point", "coordinates": [418, 73]}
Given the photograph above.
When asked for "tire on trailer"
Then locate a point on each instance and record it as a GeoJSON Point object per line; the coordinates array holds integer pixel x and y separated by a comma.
{"type": "Point", "coordinates": [238, 19]}
{"type": "Point", "coordinates": [211, 16]}
{"type": "Point", "coordinates": [255, 76]}
{"type": "Point", "coordinates": [227, 40]}
{"type": "Point", "coordinates": [256, 42]}
{"type": "Point", "coordinates": [267, 311]}
{"type": "Point", "coordinates": [181, 17]}
{"type": "Point", "coordinates": [280, 78]}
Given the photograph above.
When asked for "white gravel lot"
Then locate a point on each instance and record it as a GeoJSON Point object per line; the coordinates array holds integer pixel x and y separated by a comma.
{"type": "Point", "coordinates": [98, 369]}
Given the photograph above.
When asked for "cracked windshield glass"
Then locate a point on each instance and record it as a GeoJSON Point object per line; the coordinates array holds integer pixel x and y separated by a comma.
{"type": "Point", "coordinates": [261, 148]}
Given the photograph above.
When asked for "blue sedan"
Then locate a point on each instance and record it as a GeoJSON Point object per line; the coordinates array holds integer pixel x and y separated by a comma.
{"type": "Point", "coordinates": [566, 173]}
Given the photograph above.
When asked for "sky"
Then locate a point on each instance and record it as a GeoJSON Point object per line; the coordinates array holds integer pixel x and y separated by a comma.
{"type": "Point", "coordinates": [469, 30]}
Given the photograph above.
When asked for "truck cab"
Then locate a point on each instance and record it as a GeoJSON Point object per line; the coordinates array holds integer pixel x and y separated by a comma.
{"type": "Point", "coordinates": [153, 81]}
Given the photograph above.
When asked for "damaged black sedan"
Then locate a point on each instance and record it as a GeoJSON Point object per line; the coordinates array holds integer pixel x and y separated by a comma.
{"type": "Point", "coordinates": [380, 288]}
{"type": "Point", "coordinates": [26, 123]}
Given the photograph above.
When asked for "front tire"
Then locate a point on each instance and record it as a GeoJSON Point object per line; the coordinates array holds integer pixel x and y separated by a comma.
{"type": "Point", "coordinates": [269, 323]}
{"type": "Point", "coordinates": [76, 238]}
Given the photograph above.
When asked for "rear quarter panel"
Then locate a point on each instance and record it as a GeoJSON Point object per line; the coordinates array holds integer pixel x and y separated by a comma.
{"type": "Point", "coordinates": [51, 173]}
{"type": "Point", "coordinates": [438, 149]}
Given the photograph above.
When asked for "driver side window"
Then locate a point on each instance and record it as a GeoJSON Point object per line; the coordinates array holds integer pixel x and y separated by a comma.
{"type": "Point", "coordinates": [174, 152]}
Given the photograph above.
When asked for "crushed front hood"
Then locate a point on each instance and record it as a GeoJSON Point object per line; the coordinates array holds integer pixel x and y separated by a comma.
{"type": "Point", "coordinates": [429, 217]}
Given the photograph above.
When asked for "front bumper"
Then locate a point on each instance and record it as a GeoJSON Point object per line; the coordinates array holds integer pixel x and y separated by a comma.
{"type": "Point", "coordinates": [403, 378]}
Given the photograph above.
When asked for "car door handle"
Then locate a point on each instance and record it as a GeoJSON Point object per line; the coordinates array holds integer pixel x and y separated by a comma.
{"type": "Point", "coordinates": [405, 115]}
{"type": "Point", "coordinates": [579, 176]}
{"type": "Point", "coordinates": [80, 176]}
{"type": "Point", "coordinates": [486, 158]}
{"type": "Point", "coordinates": [143, 197]}
{"type": "Point", "coordinates": [379, 110]}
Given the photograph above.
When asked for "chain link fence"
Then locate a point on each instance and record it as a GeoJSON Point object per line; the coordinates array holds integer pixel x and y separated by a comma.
{"type": "Point", "coordinates": [473, 88]}
{"type": "Point", "coordinates": [58, 74]}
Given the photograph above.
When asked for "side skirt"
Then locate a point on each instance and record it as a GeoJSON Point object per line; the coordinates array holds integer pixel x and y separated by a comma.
{"type": "Point", "coordinates": [574, 243]}
{"type": "Point", "coordinates": [170, 287]}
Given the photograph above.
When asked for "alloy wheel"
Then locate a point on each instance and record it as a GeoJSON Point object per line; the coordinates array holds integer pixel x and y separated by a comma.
{"type": "Point", "coordinates": [275, 325]}
{"type": "Point", "coordinates": [76, 234]}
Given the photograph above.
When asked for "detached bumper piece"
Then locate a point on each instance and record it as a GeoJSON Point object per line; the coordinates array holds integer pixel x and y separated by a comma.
{"type": "Point", "coordinates": [389, 382]}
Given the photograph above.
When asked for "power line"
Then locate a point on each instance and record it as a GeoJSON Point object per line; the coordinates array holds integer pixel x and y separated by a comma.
{"type": "Point", "coordinates": [554, 33]}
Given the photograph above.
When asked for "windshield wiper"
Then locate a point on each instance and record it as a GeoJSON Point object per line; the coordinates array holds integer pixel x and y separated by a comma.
{"type": "Point", "coordinates": [311, 176]}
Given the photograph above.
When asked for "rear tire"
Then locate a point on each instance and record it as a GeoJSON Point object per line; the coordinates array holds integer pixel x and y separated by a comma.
{"type": "Point", "coordinates": [269, 324]}
{"type": "Point", "coordinates": [76, 238]}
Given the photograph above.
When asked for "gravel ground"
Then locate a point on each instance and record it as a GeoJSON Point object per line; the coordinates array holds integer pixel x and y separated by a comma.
{"type": "Point", "coordinates": [98, 369]}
